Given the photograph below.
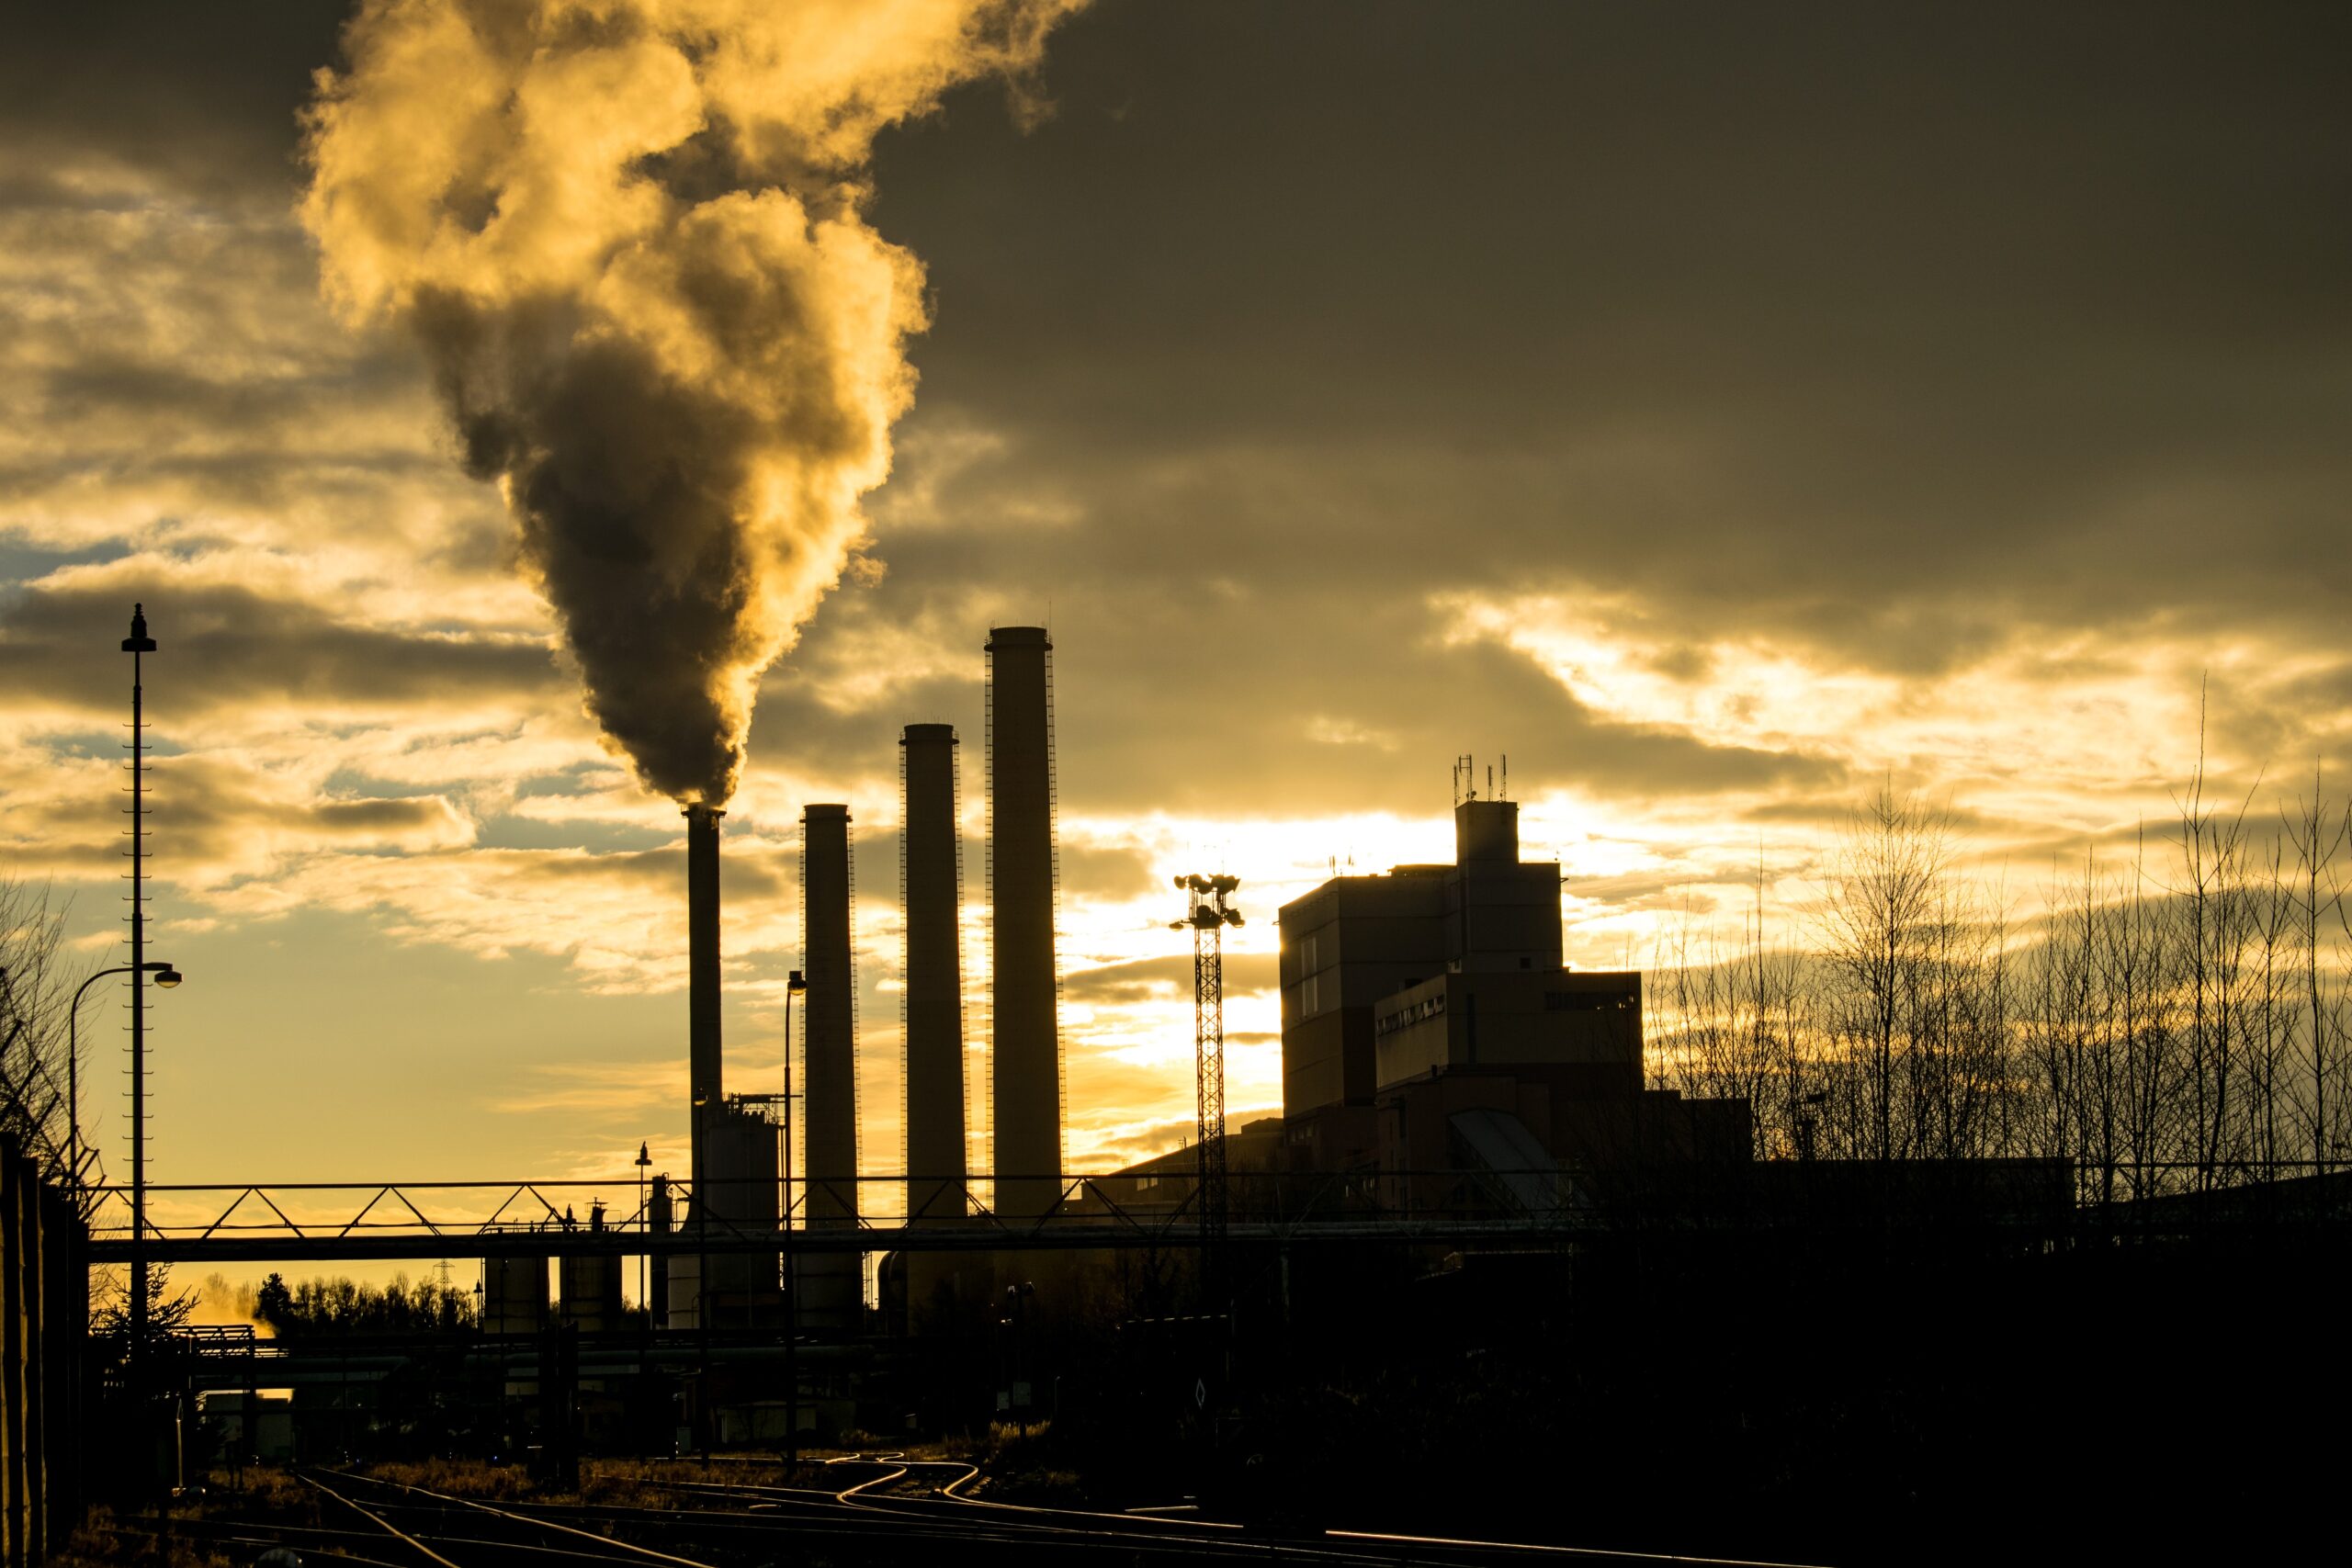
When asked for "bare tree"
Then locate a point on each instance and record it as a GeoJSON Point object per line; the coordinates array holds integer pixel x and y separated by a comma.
{"type": "Point", "coordinates": [2314, 901]}
{"type": "Point", "coordinates": [2178, 1023]}
{"type": "Point", "coordinates": [37, 984]}
{"type": "Point", "coordinates": [1915, 1010]}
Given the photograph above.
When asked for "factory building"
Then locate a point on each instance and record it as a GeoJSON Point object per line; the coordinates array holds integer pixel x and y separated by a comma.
{"type": "Point", "coordinates": [1428, 1025]}
{"type": "Point", "coordinates": [1027, 1097]}
{"type": "Point", "coordinates": [740, 1162]}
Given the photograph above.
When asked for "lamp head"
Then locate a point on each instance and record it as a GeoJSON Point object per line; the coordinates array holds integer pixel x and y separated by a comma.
{"type": "Point", "coordinates": [794, 983]}
{"type": "Point", "coordinates": [139, 641]}
{"type": "Point", "coordinates": [165, 976]}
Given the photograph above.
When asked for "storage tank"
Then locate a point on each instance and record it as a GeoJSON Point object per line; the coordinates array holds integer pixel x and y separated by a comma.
{"type": "Point", "coordinates": [514, 1294]}
{"type": "Point", "coordinates": [590, 1295]}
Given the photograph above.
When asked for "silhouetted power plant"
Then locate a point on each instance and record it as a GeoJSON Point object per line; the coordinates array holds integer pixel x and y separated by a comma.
{"type": "Point", "coordinates": [741, 1160]}
{"type": "Point", "coordinates": [931, 874]}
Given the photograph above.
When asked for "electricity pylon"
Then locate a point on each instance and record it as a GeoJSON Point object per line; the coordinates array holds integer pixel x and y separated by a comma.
{"type": "Point", "coordinates": [1208, 914]}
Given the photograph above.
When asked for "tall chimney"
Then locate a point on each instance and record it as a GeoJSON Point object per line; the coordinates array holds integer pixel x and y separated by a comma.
{"type": "Point", "coordinates": [1027, 1048]}
{"type": "Point", "coordinates": [934, 990]}
{"type": "Point", "coordinates": [703, 1051]}
{"type": "Point", "coordinates": [830, 1087]}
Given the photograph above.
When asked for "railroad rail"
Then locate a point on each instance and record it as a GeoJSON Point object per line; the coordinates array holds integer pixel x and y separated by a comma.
{"type": "Point", "coordinates": [384, 1524]}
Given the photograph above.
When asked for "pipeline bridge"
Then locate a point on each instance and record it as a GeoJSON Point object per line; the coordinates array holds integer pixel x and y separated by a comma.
{"type": "Point", "coordinates": [318, 1221]}
{"type": "Point", "coordinates": [626, 1216]}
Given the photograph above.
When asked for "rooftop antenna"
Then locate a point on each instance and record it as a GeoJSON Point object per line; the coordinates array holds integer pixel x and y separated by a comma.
{"type": "Point", "coordinates": [1505, 794]}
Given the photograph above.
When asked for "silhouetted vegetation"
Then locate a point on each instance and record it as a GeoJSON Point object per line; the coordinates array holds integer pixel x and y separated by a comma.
{"type": "Point", "coordinates": [168, 1310]}
{"type": "Point", "coordinates": [342, 1305]}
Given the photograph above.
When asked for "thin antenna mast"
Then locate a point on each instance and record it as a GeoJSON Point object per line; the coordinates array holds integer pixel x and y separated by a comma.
{"type": "Point", "coordinates": [138, 644]}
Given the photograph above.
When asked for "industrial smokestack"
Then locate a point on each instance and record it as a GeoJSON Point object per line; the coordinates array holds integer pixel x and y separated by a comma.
{"type": "Point", "coordinates": [934, 993]}
{"type": "Point", "coordinates": [829, 1084]}
{"type": "Point", "coordinates": [1027, 1054]}
{"type": "Point", "coordinates": [703, 1052]}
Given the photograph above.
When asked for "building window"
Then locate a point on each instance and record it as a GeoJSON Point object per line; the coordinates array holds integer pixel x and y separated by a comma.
{"type": "Point", "coordinates": [1588, 1001]}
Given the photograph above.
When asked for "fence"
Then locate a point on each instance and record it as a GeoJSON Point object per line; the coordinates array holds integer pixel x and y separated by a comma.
{"type": "Point", "coordinates": [44, 1315]}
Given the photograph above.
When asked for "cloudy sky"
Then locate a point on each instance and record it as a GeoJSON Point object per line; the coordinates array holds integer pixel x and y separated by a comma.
{"type": "Point", "coordinates": [1714, 408]}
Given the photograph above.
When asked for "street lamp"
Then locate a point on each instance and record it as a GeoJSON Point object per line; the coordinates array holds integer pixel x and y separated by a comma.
{"type": "Point", "coordinates": [645, 1227]}
{"type": "Point", "coordinates": [138, 644]}
{"type": "Point", "coordinates": [166, 976]}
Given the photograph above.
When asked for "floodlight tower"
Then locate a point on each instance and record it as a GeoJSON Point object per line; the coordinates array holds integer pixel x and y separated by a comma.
{"type": "Point", "coordinates": [1208, 914]}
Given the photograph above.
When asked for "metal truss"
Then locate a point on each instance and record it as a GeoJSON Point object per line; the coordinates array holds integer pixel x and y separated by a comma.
{"type": "Point", "coordinates": [322, 1220]}
{"type": "Point", "coordinates": [313, 1220]}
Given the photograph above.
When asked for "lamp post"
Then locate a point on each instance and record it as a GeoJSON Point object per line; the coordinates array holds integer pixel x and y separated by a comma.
{"type": "Point", "coordinates": [794, 985]}
{"type": "Point", "coordinates": [136, 645]}
{"type": "Point", "coordinates": [166, 976]}
{"type": "Point", "coordinates": [645, 1227]}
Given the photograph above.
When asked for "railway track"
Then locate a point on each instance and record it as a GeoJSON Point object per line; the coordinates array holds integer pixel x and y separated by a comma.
{"type": "Point", "coordinates": [887, 1510]}
{"type": "Point", "coordinates": [939, 1512]}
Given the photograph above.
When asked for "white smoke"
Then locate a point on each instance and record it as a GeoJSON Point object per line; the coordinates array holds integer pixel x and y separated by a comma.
{"type": "Point", "coordinates": [630, 237]}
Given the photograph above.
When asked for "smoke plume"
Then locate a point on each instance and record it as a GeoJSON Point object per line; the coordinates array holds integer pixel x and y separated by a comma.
{"type": "Point", "coordinates": [630, 235]}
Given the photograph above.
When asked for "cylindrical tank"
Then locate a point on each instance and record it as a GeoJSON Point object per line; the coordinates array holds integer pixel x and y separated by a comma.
{"type": "Point", "coordinates": [743, 1181]}
{"type": "Point", "coordinates": [590, 1285]}
{"type": "Point", "coordinates": [514, 1294]}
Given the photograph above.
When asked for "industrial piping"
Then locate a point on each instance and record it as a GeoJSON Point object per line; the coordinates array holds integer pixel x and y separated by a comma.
{"type": "Point", "coordinates": [1027, 1046]}
{"type": "Point", "coordinates": [934, 984]}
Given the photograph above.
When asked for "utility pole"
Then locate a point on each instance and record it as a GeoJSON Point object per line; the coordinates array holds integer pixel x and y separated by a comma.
{"type": "Point", "coordinates": [138, 644]}
{"type": "Point", "coordinates": [1208, 914]}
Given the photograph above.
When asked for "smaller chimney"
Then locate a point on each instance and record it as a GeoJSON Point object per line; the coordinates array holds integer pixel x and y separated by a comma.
{"type": "Point", "coordinates": [704, 1054]}
{"type": "Point", "coordinates": [934, 983]}
{"type": "Point", "coordinates": [829, 1038]}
